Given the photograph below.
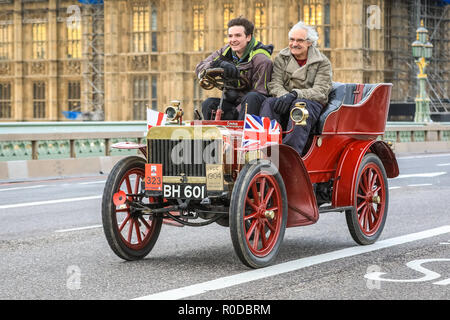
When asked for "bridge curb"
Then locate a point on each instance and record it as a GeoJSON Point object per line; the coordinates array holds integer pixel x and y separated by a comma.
{"type": "Point", "coordinates": [24, 170]}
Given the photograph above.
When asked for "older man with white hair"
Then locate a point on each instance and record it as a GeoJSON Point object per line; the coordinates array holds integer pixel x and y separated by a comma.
{"type": "Point", "coordinates": [300, 73]}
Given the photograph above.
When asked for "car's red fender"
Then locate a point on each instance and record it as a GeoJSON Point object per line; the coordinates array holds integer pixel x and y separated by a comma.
{"type": "Point", "coordinates": [302, 205]}
{"type": "Point", "coordinates": [347, 169]}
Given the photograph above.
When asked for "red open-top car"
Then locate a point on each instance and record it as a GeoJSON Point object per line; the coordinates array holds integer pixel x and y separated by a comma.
{"type": "Point", "coordinates": [195, 173]}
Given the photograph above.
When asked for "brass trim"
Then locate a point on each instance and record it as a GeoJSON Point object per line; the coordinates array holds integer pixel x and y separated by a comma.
{"type": "Point", "coordinates": [252, 155]}
{"type": "Point", "coordinates": [214, 177]}
{"type": "Point", "coordinates": [184, 133]}
{"type": "Point", "coordinates": [176, 111]}
{"type": "Point", "coordinates": [269, 214]}
{"type": "Point", "coordinates": [180, 179]}
{"type": "Point", "coordinates": [305, 114]}
{"type": "Point", "coordinates": [376, 199]}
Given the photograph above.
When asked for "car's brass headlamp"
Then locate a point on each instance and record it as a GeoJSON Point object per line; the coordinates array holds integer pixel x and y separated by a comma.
{"type": "Point", "coordinates": [174, 112]}
{"type": "Point", "coordinates": [299, 114]}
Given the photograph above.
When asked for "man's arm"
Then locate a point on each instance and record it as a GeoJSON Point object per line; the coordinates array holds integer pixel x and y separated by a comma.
{"type": "Point", "coordinates": [322, 85]}
{"type": "Point", "coordinates": [262, 74]}
{"type": "Point", "coordinates": [276, 87]}
{"type": "Point", "coordinates": [206, 64]}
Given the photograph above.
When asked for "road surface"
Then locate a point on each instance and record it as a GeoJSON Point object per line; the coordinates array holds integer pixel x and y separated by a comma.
{"type": "Point", "coordinates": [52, 246]}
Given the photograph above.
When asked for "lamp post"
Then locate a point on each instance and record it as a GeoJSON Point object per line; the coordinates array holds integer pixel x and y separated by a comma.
{"type": "Point", "coordinates": [422, 50]}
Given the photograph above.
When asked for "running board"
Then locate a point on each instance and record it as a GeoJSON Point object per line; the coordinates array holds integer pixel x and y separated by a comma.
{"type": "Point", "coordinates": [335, 209]}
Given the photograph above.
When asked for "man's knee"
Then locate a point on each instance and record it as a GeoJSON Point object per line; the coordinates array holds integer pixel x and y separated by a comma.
{"type": "Point", "coordinates": [314, 108]}
{"type": "Point", "coordinates": [254, 97]}
{"type": "Point", "coordinates": [267, 108]}
{"type": "Point", "coordinates": [209, 103]}
{"type": "Point", "coordinates": [251, 102]}
{"type": "Point", "coordinates": [207, 106]}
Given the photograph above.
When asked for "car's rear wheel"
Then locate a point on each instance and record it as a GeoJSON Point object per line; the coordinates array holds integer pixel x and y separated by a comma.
{"type": "Point", "coordinates": [258, 214]}
{"type": "Point", "coordinates": [366, 221]}
{"type": "Point", "coordinates": [130, 234]}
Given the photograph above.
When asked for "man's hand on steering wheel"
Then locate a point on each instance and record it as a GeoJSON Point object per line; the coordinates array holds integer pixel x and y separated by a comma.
{"type": "Point", "coordinates": [229, 69]}
{"type": "Point", "coordinates": [223, 75]}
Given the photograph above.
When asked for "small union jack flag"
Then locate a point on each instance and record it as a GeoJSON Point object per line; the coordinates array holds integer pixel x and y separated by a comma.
{"type": "Point", "coordinates": [260, 132]}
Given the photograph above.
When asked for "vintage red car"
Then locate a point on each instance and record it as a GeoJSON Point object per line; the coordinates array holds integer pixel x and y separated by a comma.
{"type": "Point", "coordinates": [194, 173]}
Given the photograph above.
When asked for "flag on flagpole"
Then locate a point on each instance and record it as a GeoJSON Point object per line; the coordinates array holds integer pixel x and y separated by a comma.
{"type": "Point", "coordinates": [260, 132]}
{"type": "Point", "coordinates": [155, 118]}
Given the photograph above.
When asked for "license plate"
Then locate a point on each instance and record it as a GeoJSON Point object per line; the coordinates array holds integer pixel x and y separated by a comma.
{"type": "Point", "coordinates": [153, 177]}
{"type": "Point", "coordinates": [184, 191]}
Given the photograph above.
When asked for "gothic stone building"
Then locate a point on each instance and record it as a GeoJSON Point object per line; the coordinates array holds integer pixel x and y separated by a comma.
{"type": "Point", "coordinates": [119, 57]}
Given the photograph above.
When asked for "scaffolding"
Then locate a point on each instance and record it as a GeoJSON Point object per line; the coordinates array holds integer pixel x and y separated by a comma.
{"type": "Point", "coordinates": [402, 19]}
{"type": "Point", "coordinates": [93, 59]}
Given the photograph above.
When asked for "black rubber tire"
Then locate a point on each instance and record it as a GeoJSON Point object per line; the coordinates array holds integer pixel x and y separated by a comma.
{"type": "Point", "coordinates": [109, 216]}
{"type": "Point", "coordinates": [352, 216]}
{"type": "Point", "coordinates": [236, 216]}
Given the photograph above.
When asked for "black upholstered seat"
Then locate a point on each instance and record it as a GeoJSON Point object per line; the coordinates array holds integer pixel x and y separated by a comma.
{"type": "Point", "coordinates": [335, 100]}
{"type": "Point", "coordinates": [343, 93]}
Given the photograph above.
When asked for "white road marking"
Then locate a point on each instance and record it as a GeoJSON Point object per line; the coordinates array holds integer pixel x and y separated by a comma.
{"type": "Point", "coordinates": [92, 182]}
{"type": "Point", "coordinates": [392, 188]}
{"type": "Point", "coordinates": [294, 265]}
{"type": "Point", "coordinates": [443, 164]}
{"type": "Point", "coordinates": [426, 156]}
{"type": "Point", "coordinates": [420, 185]}
{"type": "Point", "coordinates": [20, 188]}
{"type": "Point", "coordinates": [420, 175]}
{"type": "Point", "coordinates": [416, 265]}
{"type": "Point", "coordinates": [39, 203]}
{"type": "Point", "coordinates": [80, 228]}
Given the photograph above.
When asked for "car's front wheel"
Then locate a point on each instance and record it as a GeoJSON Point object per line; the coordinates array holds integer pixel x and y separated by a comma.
{"type": "Point", "coordinates": [258, 214]}
{"type": "Point", "coordinates": [129, 233]}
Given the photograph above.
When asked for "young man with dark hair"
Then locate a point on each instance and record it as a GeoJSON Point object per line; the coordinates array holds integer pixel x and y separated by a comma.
{"type": "Point", "coordinates": [242, 56]}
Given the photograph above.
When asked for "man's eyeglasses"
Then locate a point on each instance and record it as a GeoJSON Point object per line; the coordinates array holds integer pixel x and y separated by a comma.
{"type": "Point", "coordinates": [298, 40]}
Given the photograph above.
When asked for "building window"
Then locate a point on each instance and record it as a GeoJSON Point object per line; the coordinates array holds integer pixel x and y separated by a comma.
{"type": "Point", "coordinates": [227, 14]}
{"type": "Point", "coordinates": [372, 20]}
{"type": "Point", "coordinates": [5, 100]}
{"type": "Point", "coordinates": [154, 93]}
{"type": "Point", "coordinates": [144, 28]}
{"type": "Point", "coordinates": [39, 40]}
{"type": "Point", "coordinates": [74, 41]}
{"type": "Point", "coordinates": [39, 100]}
{"type": "Point", "coordinates": [327, 26]}
{"type": "Point", "coordinates": [317, 13]}
{"type": "Point", "coordinates": [260, 22]}
{"type": "Point", "coordinates": [6, 40]}
{"type": "Point", "coordinates": [140, 98]}
{"type": "Point", "coordinates": [198, 96]}
{"type": "Point", "coordinates": [74, 96]}
{"type": "Point", "coordinates": [312, 12]}
{"type": "Point", "coordinates": [154, 30]}
{"type": "Point", "coordinates": [140, 28]}
{"type": "Point", "coordinates": [198, 27]}
{"type": "Point", "coordinates": [387, 28]}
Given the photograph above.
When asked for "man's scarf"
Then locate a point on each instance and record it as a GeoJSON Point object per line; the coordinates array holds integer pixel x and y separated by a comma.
{"type": "Point", "coordinates": [247, 51]}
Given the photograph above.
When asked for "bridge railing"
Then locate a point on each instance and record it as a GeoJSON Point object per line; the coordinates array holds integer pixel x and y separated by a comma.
{"type": "Point", "coordinates": [56, 141]}
{"type": "Point", "coordinates": [33, 141]}
{"type": "Point", "coordinates": [55, 146]}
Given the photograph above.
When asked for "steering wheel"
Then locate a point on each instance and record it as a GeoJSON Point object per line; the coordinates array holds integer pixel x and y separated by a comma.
{"type": "Point", "coordinates": [213, 78]}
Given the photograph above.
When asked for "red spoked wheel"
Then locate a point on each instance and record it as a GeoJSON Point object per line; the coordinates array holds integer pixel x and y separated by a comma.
{"type": "Point", "coordinates": [262, 218]}
{"type": "Point", "coordinates": [130, 234]}
{"type": "Point", "coordinates": [258, 214]}
{"type": "Point", "coordinates": [366, 221]}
